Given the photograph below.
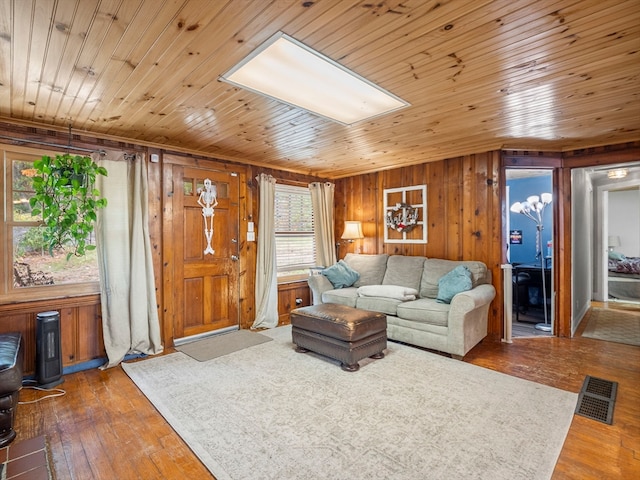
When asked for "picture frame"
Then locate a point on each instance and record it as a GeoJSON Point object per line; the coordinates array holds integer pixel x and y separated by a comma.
{"type": "Point", "coordinates": [405, 214]}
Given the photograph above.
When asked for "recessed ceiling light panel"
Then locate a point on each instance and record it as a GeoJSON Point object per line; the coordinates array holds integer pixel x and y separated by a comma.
{"type": "Point", "coordinates": [287, 70]}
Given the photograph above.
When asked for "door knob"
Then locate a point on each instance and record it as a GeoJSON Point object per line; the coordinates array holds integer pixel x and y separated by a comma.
{"type": "Point", "coordinates": [235, 258]}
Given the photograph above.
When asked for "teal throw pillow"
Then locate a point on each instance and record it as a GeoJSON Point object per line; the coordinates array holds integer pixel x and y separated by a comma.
{"type": "Point", "coordinates": [456, 281]}
{"type": "Point", "coordinates": [341, 275]}
{"type": "Point", "coordinates": [616, 256]}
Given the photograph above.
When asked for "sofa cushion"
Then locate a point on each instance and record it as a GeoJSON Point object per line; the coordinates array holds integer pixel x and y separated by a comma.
{"type": "Point", "coordinates": [370, 267]}
{"type": "Point", "coordinates": [396, 292]}
{"type": "Point", "coordinates": [341, 274]}
{"type": "Point", "coordinates": [343, 296]}
{"type": "Point", "coordinates": [404, 270]}
{"type": "Point", "coordinates": [378, 304]}
{"type": "Point", "coordinates": [425, 310]}
{"type": "Point", "coordinates": [456, 281]}
{"type": "Point", "coordinates": [435, 268]}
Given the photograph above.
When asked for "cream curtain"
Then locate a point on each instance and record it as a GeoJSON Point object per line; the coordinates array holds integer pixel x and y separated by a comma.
{"type": "Point", "coordinates": [129, 316]}
{"type": "Point", "coordinates": [266, 270]}
{"type": "Point", "coordinates": [322, 204]}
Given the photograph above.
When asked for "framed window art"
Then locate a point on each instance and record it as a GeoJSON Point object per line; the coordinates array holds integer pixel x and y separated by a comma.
{"type": "Point", "coordinates": [405, 214]}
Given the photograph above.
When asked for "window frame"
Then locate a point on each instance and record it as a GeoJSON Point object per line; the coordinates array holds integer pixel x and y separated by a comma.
{"type": "Point", "coordinates": [282, 276]}
{"type": "Point", "coordinates": [9, 293]}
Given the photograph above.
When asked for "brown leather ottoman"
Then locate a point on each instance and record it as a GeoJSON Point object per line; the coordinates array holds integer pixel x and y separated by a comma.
{"type": "Point", "coordinates": [343, 333]}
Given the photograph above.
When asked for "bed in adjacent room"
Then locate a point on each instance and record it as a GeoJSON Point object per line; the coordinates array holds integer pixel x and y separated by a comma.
{"type": "Point", "coordinates": [624, 277]}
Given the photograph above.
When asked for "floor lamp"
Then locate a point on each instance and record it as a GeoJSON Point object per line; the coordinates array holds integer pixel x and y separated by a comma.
{"type": "Point", "coordinates": [533, 208]}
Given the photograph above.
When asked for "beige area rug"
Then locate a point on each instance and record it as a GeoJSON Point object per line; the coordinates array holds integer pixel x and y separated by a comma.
{"type": "Point", "coordinates": [268, 412]}
{"type": "Point", "coordinates": [614, 325]}
{"type": "Point", "coordinates": [223, 344]}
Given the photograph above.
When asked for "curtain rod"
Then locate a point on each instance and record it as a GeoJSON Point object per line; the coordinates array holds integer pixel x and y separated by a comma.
{"type": "Point", "coordinates": [48, 144]}
{"type": "Point", "coordinates": [127, 156]}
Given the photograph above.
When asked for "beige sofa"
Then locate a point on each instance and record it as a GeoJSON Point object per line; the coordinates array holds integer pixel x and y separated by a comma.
{"type": "Point", "coordinates": [386, 283]}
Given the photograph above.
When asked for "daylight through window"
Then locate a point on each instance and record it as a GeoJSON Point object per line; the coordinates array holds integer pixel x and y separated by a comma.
{"type": "Point", "coordinates": [27, 261]}
{"type": "Point", "coordinates": [295, 242]}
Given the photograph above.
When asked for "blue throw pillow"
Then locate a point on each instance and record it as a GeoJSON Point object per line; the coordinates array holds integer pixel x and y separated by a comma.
{"type": "Point", "coordinates": [616, 256]}
{"type": "Point", "coordinates": [341, 275]}
{"type": "Point", "coordinates": [456, 281]}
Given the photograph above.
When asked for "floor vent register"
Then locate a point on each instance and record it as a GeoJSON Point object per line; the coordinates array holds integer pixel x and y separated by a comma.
{"type": "Point", "coordinates": [596, 399]}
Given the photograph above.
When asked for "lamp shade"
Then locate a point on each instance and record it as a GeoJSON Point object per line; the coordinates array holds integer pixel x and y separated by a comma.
{"type": "Point", "coordinates": [352, 230]}
{"type": "Point", "coordinates": [614, 241]}
{"type": "Point", "coordinates": [516, 207]}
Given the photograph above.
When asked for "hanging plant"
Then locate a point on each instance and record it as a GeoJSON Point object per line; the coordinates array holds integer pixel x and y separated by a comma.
{"type": "Point", "coordinates": [66, 197]}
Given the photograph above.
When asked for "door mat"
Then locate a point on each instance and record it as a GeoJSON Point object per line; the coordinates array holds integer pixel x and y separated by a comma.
{"type": "Point", "coordinates": [223, 344]}
{"type": "Point", "coordinates": [614, 326]}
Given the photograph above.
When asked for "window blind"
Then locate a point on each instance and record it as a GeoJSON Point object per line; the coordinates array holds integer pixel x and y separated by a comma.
{"type": "Point", "coordinates": [295, 242]}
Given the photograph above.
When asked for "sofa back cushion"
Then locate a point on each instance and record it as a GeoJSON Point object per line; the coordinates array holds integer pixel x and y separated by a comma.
{"type": "Point", "coordinates": [405, 271]}
{"type": "Point", "coordinates": [370, 267]}
{"type": "Point", "coordinates": [435, 268]}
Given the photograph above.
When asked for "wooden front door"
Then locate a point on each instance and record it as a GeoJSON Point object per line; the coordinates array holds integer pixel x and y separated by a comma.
{"type": "Point", "coordinates": [206, 274]}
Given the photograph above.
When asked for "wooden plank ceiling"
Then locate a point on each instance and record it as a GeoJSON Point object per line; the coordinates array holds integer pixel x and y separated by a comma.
{"type": "Point", "coordinates": [547, 75]}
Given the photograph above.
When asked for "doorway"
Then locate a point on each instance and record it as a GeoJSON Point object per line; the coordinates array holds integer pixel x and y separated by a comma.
{"type": "Point", "coordinates": [202, 249]}
{"type": "Point", "coordinates": [616, 208]}
{"type": "Point", "coordinates": [529, 233]}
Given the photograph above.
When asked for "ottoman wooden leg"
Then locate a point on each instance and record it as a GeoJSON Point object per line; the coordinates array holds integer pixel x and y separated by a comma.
{"type": "Point", "coordinates": [301, 349]}
{"type": "Point", "coordinates": [377, 355]}
{"type": "Point", "coordinates": [350, 368]}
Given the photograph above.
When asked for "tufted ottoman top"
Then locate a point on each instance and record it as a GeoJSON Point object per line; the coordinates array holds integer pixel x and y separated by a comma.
{"type": "Point", "coordinates": [339, 321]}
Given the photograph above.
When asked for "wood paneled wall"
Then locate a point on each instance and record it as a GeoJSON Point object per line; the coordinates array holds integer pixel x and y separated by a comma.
{"type": "Point", "coordinates": [80, 327]}
{"type": "Point", "coordinates": [464, 213]}
{"type": "Point", "coordinates": [465, 218]}
{"type": "Point", "coordinates": [290, 296]}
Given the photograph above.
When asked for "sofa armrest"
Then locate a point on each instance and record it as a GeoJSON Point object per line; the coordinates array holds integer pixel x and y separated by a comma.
{"type": "Point", "coordinates": [472, 299]}
{"type": "Point", "coordinates": [468, 319]}
{"type": "Point", "coordinates": [318, 285]}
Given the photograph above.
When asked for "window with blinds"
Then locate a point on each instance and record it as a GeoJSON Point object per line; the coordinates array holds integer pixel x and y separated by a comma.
{"type": "Point", "coordinates": [295, 242]}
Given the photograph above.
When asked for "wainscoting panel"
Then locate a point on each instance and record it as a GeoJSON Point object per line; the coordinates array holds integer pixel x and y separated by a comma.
{"type": "Point", "coordinates": [80, 328]}
{"type": "Point", "coordinates": [288, 293]}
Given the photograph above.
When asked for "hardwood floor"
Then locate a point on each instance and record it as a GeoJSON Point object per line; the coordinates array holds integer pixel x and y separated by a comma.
{"type": "Point", "coordinates": [526, 327]}
{"type": "Point", "coordinates": [104, 428]}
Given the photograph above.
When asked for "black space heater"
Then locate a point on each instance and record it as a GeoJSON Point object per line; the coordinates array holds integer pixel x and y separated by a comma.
{"type": "Point", "coordinates": [48, 350]}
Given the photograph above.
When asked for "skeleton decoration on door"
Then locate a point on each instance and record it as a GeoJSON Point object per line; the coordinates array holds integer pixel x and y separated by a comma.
{"type": "Point", "coordinates": [208, 200]}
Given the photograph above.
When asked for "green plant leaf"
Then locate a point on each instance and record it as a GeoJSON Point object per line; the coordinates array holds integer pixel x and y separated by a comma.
{"type": "Point", "coordinates": [64, 188]}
